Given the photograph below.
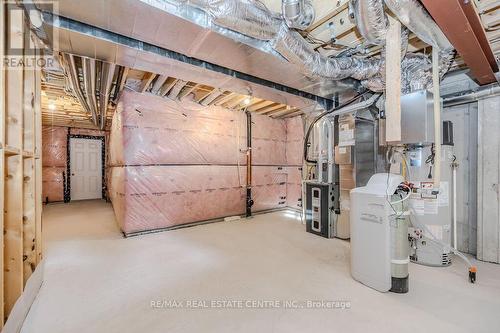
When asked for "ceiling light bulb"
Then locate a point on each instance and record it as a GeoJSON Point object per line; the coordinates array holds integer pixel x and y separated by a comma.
{"type": "Point", "coordinates": [52, 106]}
{"type": "Point", "coordinates": [246, 101]}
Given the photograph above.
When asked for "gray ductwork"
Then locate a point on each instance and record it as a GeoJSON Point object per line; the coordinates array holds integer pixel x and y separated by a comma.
{"type": "Point", "coordinates": [254, 20]}
{"type": "Point", "coordinates": [250, 19]}
{"type": "Point", "coordinates": [371, 20]}
{"type": "Point", "coordinates": [95, 94]}
{"type": "Point", "coordinates": [244, 16]}
{"type": "Point", "coordinates": [298, 14]}
{"type": "Point", "coordinates": [413, 15]}
{"type": "Point", "coordinates": [69, 67]}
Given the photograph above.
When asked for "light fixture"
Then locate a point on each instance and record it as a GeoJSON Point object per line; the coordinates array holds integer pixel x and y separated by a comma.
{"type": "Point", "coordinates": [246, 101]}
{"type": "Point", "coordinates": [52, 106]}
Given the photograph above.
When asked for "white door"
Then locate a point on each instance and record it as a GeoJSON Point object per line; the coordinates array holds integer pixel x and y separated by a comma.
{"type": "Point", "coordinates": [86, 169]}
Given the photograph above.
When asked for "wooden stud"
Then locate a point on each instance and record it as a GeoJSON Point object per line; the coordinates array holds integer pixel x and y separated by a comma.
{"type": "Point", "coordinates": [38, 167]}
{"type": "Point", "coordinates": [2, 159]}
{"type": "Point", "coordinates": [146, 81]}
{"type": "Point", "coordinates": [13, 231]}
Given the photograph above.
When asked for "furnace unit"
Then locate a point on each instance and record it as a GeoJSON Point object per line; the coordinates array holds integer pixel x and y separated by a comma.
{"type": "Point", "coordinates": [320, 210]}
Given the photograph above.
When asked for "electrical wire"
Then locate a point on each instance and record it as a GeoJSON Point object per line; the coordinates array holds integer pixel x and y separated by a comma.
{"type": "Point", "coordinates": [318, 118]}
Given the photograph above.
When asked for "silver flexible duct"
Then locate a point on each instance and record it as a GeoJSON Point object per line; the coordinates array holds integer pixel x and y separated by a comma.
{"type": "Point", "coordinates": [244, 16]}
{"type": "Point", "coordinates": [371, 20]}
{"type": "Point", "coordinates": [297, 50]}
{"type": "Point", "coordinates": [68, 63]}
{"type": "Point", "coordinates": [298, 14]}
{"type": "Point", "coordinates": [414, 16]}
{"type": "Point", "coordinates": [251, 18]}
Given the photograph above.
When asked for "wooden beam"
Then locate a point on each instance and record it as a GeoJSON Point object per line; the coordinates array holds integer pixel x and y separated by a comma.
{"type": "Point", "coordinates": [160, 80]}
{"type": "Point", "coordinates": [393, 77]}
{"type": "Point", "coordinates": [146, 81]}
{"type": "Point", "coordinates": [3, 34]}
{"type": "Point", "coordinates": [455, 24]}
{"type": "Point", "coordinates": [234, 101]}
{"type": "Point", "coordinates": [187, 91]}
{"type": "Point", "coordinates": [38, 167]}
{"type": "Point", "coordinates": [166, 88]}
{"type": "Point", "coordinates": [259, 105]}
{"type": "Point", "coordinates": [272, 107]}
{"type": "Point", "coordinates": [176, 89]}
{"type": "Point", "coordinates": [221, 100]}
{"type": "Point", "coordinates": [211, 97]}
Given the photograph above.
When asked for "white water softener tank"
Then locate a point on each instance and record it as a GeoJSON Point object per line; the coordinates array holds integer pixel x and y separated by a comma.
{"type": "Point", "coordinates": [379, 235]}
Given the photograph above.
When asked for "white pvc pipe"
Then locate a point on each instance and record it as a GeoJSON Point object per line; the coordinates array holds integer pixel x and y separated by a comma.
{"type": "Point", "coordinates": [455, 245]}
{"type": "Point", "coordinates": [437, 117]}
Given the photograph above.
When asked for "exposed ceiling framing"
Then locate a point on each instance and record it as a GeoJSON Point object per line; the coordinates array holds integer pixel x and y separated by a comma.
{"type": "Point", "coordinates": [332, 32]}
{"type": "Point", "coordinates": [61, 108]}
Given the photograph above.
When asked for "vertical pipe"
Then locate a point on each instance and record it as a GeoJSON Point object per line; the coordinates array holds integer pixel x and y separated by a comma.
{"type": "Point", "coordinates": [455, 245]}
{"type": "Point", "coordinates": [249, 201]}
{"type": "Point", "coordinates": [437, 117]}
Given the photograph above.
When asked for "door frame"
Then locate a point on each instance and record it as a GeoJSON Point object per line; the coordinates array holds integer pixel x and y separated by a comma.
{"type": "Point", "coordinates": [67, 187]}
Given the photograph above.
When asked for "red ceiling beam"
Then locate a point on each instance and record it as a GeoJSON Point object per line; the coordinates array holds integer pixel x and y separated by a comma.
{"type": "Point", "coordinates": [462, 26]}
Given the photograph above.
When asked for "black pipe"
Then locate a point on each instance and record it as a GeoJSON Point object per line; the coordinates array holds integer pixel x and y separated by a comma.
{"type": "Point", "coordinates": [249, 201]}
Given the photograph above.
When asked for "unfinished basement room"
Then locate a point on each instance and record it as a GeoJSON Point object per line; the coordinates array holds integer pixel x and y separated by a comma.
{"type": "Point", "coordinates": [249, 166]}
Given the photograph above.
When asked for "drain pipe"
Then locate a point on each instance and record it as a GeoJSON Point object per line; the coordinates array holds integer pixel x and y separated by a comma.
{"type": "Point", "coordinates": [454, 166]}
{"type": "Point", "coordinates": [437, 117]}
{"type": "Point", "coordinates": [482, 92]}
{"type": "Point", "coordinates": [249, 200]}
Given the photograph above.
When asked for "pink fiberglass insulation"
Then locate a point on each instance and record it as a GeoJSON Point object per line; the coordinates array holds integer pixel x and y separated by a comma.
{"type": "Point", "coordinates": [268, 140]}
{"type": "Point", "coordinates": [148, 130]}
{"type": "Point", "coordinates": [53, 183]}
{"type": "Point", "coordinates": [156, 197]}
{"type": "Point", "coordinates": [294, 187]}
{"type": "Point", "coordinates": [176, 163]}
{"type": "Point", "coordinates": [294, 141]}
{"type": "Point", "coordinates": [54, 146]}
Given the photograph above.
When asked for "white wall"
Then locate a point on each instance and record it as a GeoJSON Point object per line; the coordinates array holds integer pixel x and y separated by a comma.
{"type": "Point", "coordinates": [488, 176]}
{"type": "Point", "coordinates": [464, 118]}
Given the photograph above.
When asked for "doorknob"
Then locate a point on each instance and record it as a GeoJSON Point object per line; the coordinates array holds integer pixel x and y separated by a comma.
{"type": "Point", "coordinates": [72, 174]}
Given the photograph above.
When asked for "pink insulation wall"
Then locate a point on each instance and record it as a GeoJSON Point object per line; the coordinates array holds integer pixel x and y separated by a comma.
{"type": "Point", "coordinates": [54, 152]}
{"type": "Point", "coordinates": [54, 158]}
{"type": "Point", "coordinates": [175, 163]}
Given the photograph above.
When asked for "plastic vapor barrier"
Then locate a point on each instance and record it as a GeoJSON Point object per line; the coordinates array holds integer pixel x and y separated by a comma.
{"type": "Point", "coordinates": [54, 146]}
{"type": "Point", "coordinates": [53, 183]}
{"type": "Point", "coordinates": [176, 162]}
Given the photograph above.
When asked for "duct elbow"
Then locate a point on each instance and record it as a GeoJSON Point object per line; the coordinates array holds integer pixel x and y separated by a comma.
{"type": "Point", "coordinates": [298, 14]}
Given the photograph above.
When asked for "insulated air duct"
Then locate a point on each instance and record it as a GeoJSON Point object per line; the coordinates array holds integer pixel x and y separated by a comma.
{"type": "Point", "coordinates": [94, 94]}
{"type": "Point", "coordinates": [371, 20]}
{"type": "Point", "coordinates": [298, 14]}
{"type": "Point", "coordinates": [251, 19]}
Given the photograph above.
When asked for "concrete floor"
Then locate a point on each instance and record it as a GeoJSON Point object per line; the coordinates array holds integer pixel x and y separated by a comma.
{"type": "Point", "coordinates": [96, 281]}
